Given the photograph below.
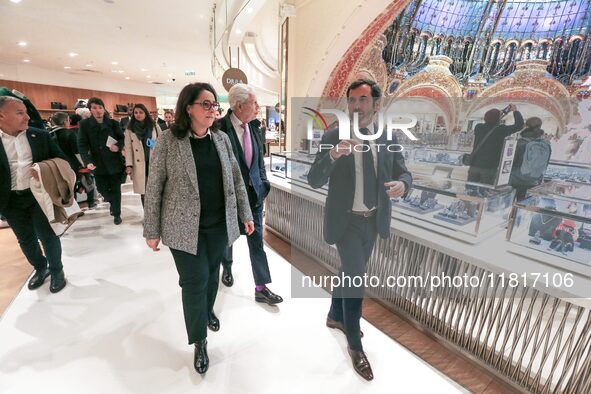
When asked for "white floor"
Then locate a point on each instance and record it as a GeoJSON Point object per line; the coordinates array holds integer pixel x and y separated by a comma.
{"type": "Point", "coordinates": [118, 328]}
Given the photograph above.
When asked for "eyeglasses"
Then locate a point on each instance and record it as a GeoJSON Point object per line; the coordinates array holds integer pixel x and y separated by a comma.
{"type": "Point", "coordinates": [207, 105]}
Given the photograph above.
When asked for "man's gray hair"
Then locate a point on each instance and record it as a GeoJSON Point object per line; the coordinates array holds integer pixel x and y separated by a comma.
{"type": "Point", "coordinates": [8, 99]}
{"type": "Point", "coordinates": [238, 94]}
{"type": "Point", "coordinates": [59, 118]}
{"type": "Point", "coordinates": [84, 113]}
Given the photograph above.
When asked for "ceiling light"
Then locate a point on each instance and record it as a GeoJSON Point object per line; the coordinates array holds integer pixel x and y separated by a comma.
{"type": "Point", "coordinates": [115, 63]}
{"type": "Point", "coordinates": [170, 75]}
{"type": "Point", "coordinates": [67, 67]}
{"type": "Point", "coordinates": [15, 1]}
{"type": "Point", "coordinates": [26, 60]}
{"type": "Point", "coordinates": [88, 65]}
{"type": "Point", "coordinates": [238, 31]}
{"type": "Point", "coordinates": [73, 54]}
{"type": "Point", "coordinates": [126, 77]}
{"type": "Point", "coordinates": [22, 43]}
{"type": "Point", "coordinates": [121, 71]}
{"type": "Point", "coordinates": [143, 69]}
{"type": "Point", "coordinates": [148, 76]}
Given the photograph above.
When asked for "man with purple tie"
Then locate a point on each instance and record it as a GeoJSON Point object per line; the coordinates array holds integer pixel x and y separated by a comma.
{"type": "Point", "coordinates": [248, 149]}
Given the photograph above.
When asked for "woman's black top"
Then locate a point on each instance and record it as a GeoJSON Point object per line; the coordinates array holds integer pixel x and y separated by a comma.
{"type": "Point", "coordinates": [211, 185]}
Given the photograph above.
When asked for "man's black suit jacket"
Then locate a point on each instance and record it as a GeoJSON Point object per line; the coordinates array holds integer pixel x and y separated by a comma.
{"type": "Point", "coordinates": [43, 147]}
{"type": "Point", "coordinates": [340, 175]}
{"type": "Point", "coordinates": [92, 145]}
{"type": "Point", "coordinates": [255, 177]}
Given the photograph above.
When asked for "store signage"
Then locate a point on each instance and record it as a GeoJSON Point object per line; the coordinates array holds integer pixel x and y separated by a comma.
{"type": "Point", "coordinates": [504, 170]}
{"type": "Point", "coordinates": [232, 76]}
{"type": "Point", "coordinates": [386, 120]}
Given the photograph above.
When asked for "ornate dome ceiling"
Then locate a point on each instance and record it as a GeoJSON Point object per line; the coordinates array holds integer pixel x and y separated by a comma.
{"type": "Point", "coordinates": [517, 19]}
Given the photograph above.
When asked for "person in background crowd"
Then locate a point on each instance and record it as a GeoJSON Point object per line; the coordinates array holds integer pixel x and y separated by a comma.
{"type": "Point", "coordinates": [168, 118]}
{"type": "Point", "coordinates": [100, 141]}
{"type": "Point", "coordinates": [68, 143]}
{"type": "Point", "coordinates": [194, 196]}
{"type": "Point", "coordinates": [84, 113]}
{"type": "Point", "coordinates": [74, 121]}
{"type": "Point", "coordinates": [489, 138]}
{"type": "Point", "coordinates": [358, 207]}
{"type": "Point", "coordinates": [159, 121]}
{"type": "Point", "coordinates": [21, 147]}
{"type": "Point", "coordinates": [248, 149]}
{"type": "Point", "coordinates": [125, 120]}
{"type": "Point", "coordinates": [531, 159]}
{"type": "Point", "coordinates": [140, 139]}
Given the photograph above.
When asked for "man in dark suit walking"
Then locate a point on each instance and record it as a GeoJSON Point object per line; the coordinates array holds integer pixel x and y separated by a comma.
{"type": "Point", "coordinates": [248, 149]}
{"type": "Point", "coordinates": [100, 141]}
{"type": "Point", "coordinates": [20, 148]}
{"type": "Point", "coordinates": [358, 208]}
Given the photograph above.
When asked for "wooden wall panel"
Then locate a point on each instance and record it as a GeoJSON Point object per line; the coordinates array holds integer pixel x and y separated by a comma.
{"type": "Point", "coordinates": [42, 95]}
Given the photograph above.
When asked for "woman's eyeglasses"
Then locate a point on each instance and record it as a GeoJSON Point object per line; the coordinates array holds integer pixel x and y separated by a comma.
{"type": "Point", "coordinates": [207, 105]}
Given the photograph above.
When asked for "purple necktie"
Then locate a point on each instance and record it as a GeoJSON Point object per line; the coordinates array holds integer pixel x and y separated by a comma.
{"type": "Point", "coordinates": [247, 145]}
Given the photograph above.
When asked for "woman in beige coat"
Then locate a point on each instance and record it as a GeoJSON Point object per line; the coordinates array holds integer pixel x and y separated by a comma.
{"type": "Point", "coordinates": [141, 135]}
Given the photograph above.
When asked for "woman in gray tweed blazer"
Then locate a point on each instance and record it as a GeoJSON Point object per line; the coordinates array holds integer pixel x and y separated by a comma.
{"type": "Point", "coordinates": [194, 197]}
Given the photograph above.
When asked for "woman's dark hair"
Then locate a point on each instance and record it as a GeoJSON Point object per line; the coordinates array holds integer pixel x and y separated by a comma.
{"type": "Point", "coordinates": [75, 119]}
{"type": "Point", "coordinates": [95, 100]}
{"type": "Point", "coordinates": [492, 116]}
{"type": "Point", "coordinates": [182, 121]}
{"type": "Point", "coordinates": [376, 92]}
{"type": "Point", "coordinates": [98, 101]}
{"type": "Point", "coordinates": [148, 121]}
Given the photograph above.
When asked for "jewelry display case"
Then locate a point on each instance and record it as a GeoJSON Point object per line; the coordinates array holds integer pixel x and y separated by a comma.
{"type": "Point", "coordinates": [568, 172]}
{"type": "Point", "coordinates": [436, 156]}
{"type": "Point", "coordinates": [462, 210]}
{"type": "Point", "coordinates": [293, 166]}
{"type": "Point", "coordinates": [553, 223]}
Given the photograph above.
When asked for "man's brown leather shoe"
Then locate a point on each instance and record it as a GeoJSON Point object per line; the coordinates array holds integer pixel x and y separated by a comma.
{"type": "Point", "coordinates": [331, 323]}
{"type": "Point", "coordinates": [360, 363]}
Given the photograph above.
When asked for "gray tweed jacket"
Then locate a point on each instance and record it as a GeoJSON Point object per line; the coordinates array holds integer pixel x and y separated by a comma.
{"type": "Point", "coordinates": [172, 204]}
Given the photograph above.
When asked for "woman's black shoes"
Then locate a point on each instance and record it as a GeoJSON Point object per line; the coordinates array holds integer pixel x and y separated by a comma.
{"type": "Point", "coordinates": [201, 360]}
{"type": "Point", "coordinates": [213, 322]}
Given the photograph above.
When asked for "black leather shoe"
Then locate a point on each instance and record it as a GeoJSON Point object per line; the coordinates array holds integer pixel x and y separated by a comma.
{"type": "Point", "coordinates": [58, 282]}
{"type": "Point", "coordinates": [38, 278]}
{"type": "Point", "coordinates": [201, 360]}
{"type": "Point", "coordinates": [117, 220]}
{"type": "Point", "coordinates": [360, 363]}
{"type": "Point", "coordinates": [331, 323]}
{"type": "Point", "coordinates": [213, 322]}
{"type": "Point", "coordinates": [267, 296]}
{"type": "Point", "coordinates": [227, 277]}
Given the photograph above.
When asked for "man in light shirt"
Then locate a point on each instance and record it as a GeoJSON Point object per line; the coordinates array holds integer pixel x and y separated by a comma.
{"type": "Point", "coordinates": [20, 148]}
{"type": "Point", "coordinates": [361, 180]}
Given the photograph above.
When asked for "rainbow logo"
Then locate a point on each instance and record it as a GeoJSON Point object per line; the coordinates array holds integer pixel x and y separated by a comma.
{"type": "Point", "coordinates": [317, 117]}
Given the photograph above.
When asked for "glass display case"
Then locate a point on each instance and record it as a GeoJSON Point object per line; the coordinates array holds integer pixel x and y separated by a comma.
{"type": "Point", "coordinates": [436, 156]}
{"type": "Point", "coordinates": [569, 172]}
{"type": "Point", "coordinates": [553, 223]}
{"type": "Point", "coordinates": [463, 210]}
{"type": "Point", "coordinates": [293, 166]}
